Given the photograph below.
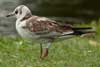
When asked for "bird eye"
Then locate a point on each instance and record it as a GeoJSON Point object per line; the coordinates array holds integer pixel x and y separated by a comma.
{"type": "Point", "coordinates": [16, 11]}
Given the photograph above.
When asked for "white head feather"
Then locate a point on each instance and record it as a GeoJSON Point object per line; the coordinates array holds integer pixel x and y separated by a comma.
{"type": "Point", "coordinates": [20, 12]}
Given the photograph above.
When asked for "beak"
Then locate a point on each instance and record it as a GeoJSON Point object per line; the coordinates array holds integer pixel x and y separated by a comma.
{"type": "Point", "coordinates": [10, 14]}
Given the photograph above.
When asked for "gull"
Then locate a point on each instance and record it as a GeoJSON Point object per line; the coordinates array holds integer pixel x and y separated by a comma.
{"type": "Point", "coordinates": [41, 29]}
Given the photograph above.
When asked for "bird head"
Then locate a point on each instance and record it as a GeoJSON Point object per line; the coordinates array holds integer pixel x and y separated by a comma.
{"type": "Point", "coordinates": [20, 11]}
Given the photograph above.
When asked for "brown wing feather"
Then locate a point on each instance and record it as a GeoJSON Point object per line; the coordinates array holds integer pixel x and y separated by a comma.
{"type": "Point", "coordinates": [47, 25]}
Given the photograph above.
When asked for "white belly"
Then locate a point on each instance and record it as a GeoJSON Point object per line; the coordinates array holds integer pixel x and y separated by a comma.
{"type": "Point", "coordinates": [25, 33]}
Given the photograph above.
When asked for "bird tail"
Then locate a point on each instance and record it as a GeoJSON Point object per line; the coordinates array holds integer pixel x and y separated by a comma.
{"type": "Point", "coordinates": [82, 30]}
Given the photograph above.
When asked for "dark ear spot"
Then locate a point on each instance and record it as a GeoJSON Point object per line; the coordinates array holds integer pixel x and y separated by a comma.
{"type": "Point", "coordinates": [21, 9]}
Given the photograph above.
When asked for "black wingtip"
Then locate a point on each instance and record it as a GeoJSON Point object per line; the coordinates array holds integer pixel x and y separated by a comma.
{"type": "Point", "coordinates": [81, 28]}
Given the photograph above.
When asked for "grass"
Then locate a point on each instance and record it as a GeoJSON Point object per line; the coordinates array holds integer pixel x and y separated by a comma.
{"type": "Point", "coordinates": [74, 52]}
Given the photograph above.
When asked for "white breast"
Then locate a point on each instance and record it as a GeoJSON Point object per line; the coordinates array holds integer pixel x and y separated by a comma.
{"type": "Point", "coordinates": [25, 33]}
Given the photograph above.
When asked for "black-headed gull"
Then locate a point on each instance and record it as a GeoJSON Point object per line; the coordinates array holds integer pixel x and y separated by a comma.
{"type": "Point", "coordinates": [41, 28]}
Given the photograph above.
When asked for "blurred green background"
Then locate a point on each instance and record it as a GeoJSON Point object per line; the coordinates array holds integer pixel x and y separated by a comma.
{"type": "Point", "coordinates": [81, 9]}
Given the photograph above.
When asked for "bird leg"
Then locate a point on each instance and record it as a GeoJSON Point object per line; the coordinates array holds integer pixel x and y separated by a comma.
{"type": "Point", "coordinates": [44, 50]}
{"type": "Point", "coordinates": [44, 53]}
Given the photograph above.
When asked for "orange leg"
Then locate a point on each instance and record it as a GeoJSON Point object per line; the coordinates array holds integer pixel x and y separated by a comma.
{"type": "Point", "coordinates": [43, 52]}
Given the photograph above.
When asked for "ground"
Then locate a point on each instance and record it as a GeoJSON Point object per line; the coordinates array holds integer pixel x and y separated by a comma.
{"type": "Point", "coordinates": [73, 52]}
